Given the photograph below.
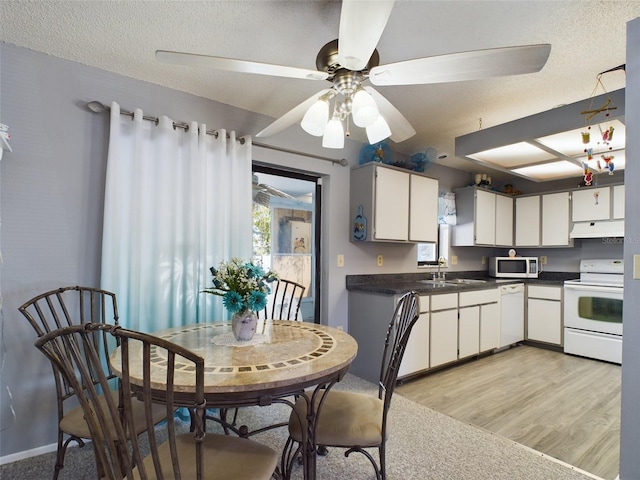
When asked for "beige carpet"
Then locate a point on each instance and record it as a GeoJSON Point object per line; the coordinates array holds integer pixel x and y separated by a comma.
{"type": "Point", "coordinates": [423, 444]}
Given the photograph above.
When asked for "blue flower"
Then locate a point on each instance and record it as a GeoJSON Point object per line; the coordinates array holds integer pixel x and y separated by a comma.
{"type": "Point", "coordinates": [232, 301]}
{"type": "Point", "coordinates": [257, 300]}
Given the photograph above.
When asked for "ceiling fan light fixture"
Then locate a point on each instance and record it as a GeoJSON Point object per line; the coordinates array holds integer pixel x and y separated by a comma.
{"type": "Point", "coordinates": [315, 120]}
{"type": "Point", "coordinates": [333, 134]}
{"type": "Point", "coordinates": [378, 130]}
{"type": "Point", "coordinates": [364, 109]}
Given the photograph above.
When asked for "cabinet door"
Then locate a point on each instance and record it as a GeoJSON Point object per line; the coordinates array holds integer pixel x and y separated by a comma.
{"type": "Point", "coordinates": [416, 355]}
{"type": "Point", "coordinates": [555, 219]}
{"type": "Point", "coordinates": [618, 202]}
{"type": "Point", "coordinates": [485, 218]}
{"type": "Point", "coordinates": [391, 205]}
{"type": "Point", "coordinates": [489, 326]}
{"type": "Point", "coordinates": [591, 204]}
{"type": "Point", "coordinates": [469, 331]}
{"type": "Point", "coordinates": [504, 221]}
{"type": "Point", "coordinates": [423, 209]}
{"type": "Point", "coordinates": [528, 221]}
{"type": "Point", "coordinates": [444, 337]}
{"type": "Point", "coordinates": [544, 320]}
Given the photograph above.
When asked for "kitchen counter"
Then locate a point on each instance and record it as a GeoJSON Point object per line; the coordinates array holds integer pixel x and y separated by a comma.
{"type": "Point", "coordinates": [398, 283]}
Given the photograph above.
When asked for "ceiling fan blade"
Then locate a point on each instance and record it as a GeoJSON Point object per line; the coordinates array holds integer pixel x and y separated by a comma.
{"type": "Point", "coordinates": [233, 65]}
{"type": "Point", "coordinates": [455, 67]}
{"type": "Point", "coordinates": [292, 116]}
{"type": "Point", "coordinates": [400, 127]}
{"type": "Point", "coordinates": [361, 25]}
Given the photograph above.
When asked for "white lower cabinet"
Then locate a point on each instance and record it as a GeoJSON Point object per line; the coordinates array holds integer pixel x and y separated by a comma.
{"type": "Point", "coordinates": [544, 314]}
{"type": "Point", "coordinates": [469, 331]}
{"type": "Point", "coordinates": [489, 326]}
{"type": "Point", "coordinates": [444, 329]}
{"type": "Point", "coordinates": [416, 355]}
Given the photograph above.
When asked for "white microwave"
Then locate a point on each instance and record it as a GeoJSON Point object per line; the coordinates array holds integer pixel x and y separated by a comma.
{"type": "Point", "coordinates": [513, 267]}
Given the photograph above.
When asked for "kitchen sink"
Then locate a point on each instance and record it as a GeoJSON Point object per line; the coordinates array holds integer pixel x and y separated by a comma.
{"type": "Point", "coordinates": [464, 281]}
{"type": "Point", "coordinates": [435, 283]}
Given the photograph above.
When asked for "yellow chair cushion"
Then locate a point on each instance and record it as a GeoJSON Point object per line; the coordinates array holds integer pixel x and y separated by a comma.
{"type": "Point", "coordinates": [73, 422]}
{"type": "Point", "coordinates": [225, 458]}
{"type": "Point", "coordinates": [346, 419]}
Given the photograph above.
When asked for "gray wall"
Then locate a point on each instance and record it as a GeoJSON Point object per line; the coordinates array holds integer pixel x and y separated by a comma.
{"type": "Point", "coordinates": [630, 421]}
{"type": "Point", "coordinates": [52, 202]}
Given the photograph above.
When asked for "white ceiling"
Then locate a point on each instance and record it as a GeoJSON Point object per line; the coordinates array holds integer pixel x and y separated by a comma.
{"type": "Point", "coordinates": [587, 37]}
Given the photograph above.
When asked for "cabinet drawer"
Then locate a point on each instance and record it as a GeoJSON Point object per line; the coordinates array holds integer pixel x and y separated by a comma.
{"type": "Point", "coordinates": [424, 303]}
{"type": "Point", "coordinates": [546, 292]}
{"type": "Point", "coordinates": [444, 301]}
{"type": "Point", "coordinates": [478, 297]}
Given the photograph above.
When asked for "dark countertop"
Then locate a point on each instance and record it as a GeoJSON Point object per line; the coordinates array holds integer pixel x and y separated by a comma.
{"type": "Point", "coordinates": [399, 283]}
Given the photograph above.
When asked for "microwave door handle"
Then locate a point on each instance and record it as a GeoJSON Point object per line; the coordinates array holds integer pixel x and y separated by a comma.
{"type": "Point", "coordinates": [593, 288]}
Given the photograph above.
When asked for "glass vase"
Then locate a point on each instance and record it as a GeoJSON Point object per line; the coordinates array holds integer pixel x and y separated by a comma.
{"type": "Point", "coordinates": [243, 325]}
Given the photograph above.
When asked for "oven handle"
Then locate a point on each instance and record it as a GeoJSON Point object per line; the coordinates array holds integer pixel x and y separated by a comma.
{"type": "Point", "coordinates": [594, 288]}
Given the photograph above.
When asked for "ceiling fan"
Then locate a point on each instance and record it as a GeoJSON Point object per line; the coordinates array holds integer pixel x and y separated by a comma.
{"type": "Point", "coordinates": [262, 192]}
{"type": "Point", "coordinates": [356, 61]}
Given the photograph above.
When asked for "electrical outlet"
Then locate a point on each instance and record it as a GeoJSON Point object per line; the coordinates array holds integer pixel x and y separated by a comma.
{"type": "Point", "coordinates": [340, 260]}
{"type": "Point", "coordinates": [380, 260]}
{"type": "Point", "coordinates": [484, 260]}
{"type": "Point", "coordinates": [454, 259]}
{"type": "Point", "coordinates": [543, 260]}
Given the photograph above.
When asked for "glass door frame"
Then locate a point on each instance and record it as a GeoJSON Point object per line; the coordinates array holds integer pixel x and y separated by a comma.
{"type": "Point", "coordinates": [317, 216]}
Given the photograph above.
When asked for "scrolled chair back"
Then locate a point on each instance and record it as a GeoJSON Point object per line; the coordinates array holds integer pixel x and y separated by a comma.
{"type": "Point", "coordinates": [167, 454]}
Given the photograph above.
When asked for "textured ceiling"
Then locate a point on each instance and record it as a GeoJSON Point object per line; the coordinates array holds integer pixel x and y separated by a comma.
{"type": "Point", "coordinates": [587, 37]}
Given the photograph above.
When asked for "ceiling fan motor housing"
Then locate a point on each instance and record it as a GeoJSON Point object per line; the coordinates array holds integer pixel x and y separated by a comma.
{"type": "Point", "coordinates": [327, 61]}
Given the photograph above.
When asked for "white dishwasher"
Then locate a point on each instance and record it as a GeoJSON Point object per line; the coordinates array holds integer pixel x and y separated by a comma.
{"type": "Point", "coordinates": [511, 314]}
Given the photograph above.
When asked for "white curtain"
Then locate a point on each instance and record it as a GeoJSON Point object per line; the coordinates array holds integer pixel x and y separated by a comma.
{"type": "Point", "coordinates": [176, 203]}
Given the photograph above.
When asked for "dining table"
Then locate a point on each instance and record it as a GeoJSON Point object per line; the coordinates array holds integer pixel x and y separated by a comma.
{"type": "Point", "coordinates": [283, 359]}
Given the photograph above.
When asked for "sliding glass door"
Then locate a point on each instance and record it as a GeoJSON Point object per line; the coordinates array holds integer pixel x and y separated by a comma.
{"type": "Point", "coordinates": [286, 230]}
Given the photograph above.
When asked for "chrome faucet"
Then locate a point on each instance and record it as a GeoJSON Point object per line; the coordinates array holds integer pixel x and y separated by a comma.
{"type": "Point", "coordinates": [440, 275]}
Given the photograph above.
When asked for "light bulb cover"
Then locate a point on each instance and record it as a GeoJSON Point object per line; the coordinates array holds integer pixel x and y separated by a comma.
{"type": "Point", "coordinates": [333, 134]}
{"type": "Point", "coordinates": [364, 109]}
{"type": "Point", "coordinates": [378, 130]}
{"type": "Point", "coordinates": [315, 120]}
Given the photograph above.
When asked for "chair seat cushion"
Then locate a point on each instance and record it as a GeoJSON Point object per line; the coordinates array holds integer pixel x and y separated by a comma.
{"type": "Point", "coordinates": [346, 419]}
{"type": "Point", "coordinates": [225, 458]}
{"type": "Point", "coordinates": [73, 422]}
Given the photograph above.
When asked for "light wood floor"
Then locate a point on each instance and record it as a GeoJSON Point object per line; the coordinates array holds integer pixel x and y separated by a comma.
{"type": "Point", "coordinates": [564, 406]}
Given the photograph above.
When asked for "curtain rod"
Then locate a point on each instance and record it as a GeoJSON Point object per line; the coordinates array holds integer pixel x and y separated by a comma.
{"type": "Point", "coordinates": [98, 107]}
{"type": "Point", "coordinates": [340, 161]}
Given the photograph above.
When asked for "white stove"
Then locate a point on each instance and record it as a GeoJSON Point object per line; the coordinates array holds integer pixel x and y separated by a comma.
{"type": "Point", "coordinates": [593, 311]}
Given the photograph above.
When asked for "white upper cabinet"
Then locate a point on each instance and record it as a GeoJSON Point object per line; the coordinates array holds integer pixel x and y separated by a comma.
{"type": "Point", "coordinates": [391, 220]}
{"type": "Point", "coordinates": [528, 221]}
{"type": "Point", "coordinates": [591, 204]}
{"type": "Point", "coordinates": [618, 202]}
{"type": "Point", "coordinates": [555, 219]}
{"type": "Point", "coordinates": [504, 221]}
{"type": "Point", "coordinates": [397, 205]}
{"type": "Point", "coordinates": [423, 205]}
{"type": "Point", "coordinates": [484, 218]}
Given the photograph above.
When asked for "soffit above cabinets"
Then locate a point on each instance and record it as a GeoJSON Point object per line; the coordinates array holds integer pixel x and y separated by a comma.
{"type": "Point", "coordinates": [548, 146]}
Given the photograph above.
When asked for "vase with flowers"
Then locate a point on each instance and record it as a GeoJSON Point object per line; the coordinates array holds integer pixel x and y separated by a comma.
{"type": "Point", "coordinates": [243, 287]}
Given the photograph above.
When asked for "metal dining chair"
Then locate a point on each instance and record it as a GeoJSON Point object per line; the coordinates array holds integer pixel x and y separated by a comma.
{"type": "Point", "coordinates": [166, 454]}
{"type": "Point", "coordinates": [75, 305]}
{"type": "Point", "coordinates": [286, 297]}
{"type": "Point", "coordinates": [356, 421]}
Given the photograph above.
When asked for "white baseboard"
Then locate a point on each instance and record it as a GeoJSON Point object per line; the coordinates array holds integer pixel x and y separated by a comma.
{"type": "Point", "coordinates": [14, 457]}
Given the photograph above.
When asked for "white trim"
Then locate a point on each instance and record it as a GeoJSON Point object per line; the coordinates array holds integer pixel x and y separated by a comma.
{"type": "Point", "coordinates": [34, 452]}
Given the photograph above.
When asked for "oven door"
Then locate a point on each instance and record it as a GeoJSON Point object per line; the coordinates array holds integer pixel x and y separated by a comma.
{"type": "Point", "coordinates": [594, 308]}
